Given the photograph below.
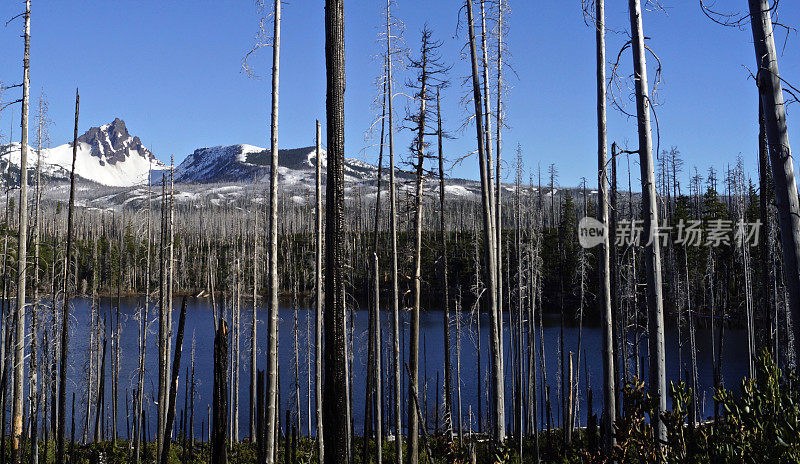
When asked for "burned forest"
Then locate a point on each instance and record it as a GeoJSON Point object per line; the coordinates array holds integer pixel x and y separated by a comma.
{"type": "Point", "coordinates": [417, 268]}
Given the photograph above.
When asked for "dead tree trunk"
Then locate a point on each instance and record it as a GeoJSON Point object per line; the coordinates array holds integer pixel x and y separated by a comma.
{"type": "Point", "coordinates": [318, 295]}
{"type": "Point", "coordinates": [143, 329]}
{"type": "Point", "coordinates": [173, 389]}
{"type": "Point", "coordinates": [22, 252]}
{"type": "Point", "coordinates": [489, 246]}
{"type": "Point", "coordinates": [419, 147]}
{"type": "Point", "coordinates": [62, 376]}
{"type": "Point", "coordinates": [609, 389]}
{"type": "Point", "coordinates": [771, 93]}
{"type": "Point", "coordinates": [35, 391]}
{"type": "Point", "coordinates": [272, 325]}
{"type": "Point", "coordinates": [335, 422]}
{"type": "Point", "coordinates": [448, 375]}
{"type": "Point", "coordinates": [163, 336]}
{"type": "Point", "coordinates": [219, 450]}
{"type": "Point", "coordinates": [658, 379]}
{"type": "Point", "coordinates": [398, 415]}
{"type": "Point", "coordinates": [253, 344]}
{"type": "Point", "coordinates": [374, 398]}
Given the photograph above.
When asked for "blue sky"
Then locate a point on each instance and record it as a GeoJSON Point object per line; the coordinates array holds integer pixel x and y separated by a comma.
{"type": "Point", "coordinates": [172, 71]}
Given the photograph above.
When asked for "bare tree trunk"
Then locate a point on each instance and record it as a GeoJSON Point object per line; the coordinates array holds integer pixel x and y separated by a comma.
{"type": "Point", "coordinates": [173, 389]}
{"type": "Point", "coordinates": [237, 348]}
{"type": "Point", "coordinates": [101, 388]}
{"type": "Point", "coordinates": [191, 403]}
{"type": "Point", "coordinates": [374, 390]}
{"type": "Point", "coordinates": [335, 425]}
{"type": "Point", "coordinates": [609, 379]}
{"type": "Point", "coordinates": [143, 329]}
{"type": "Point", "coordinates": [35, 390]}
{"type": "Point", "coordinates": [6, 332]}
{"type": "Point", "coordinates": [498, 200]}
{"type": "Point", "coordinates": [398, 414]}
{"type": "Point", "coordinates": [253, 340]}
{"type": "Point", "coordinates": [272, 325]}
{"type": "Point", "coordinates": [163, 337]}
{"type": "Point", "coordinates": [490, 249]}
{"type": "Point", "coordinates": [658, 379]}
{"type": "Point", "coordinates": [22, 251]}
{"type": "Point", "coordinates": [219, 450]}
{"type": "Point", "coordinates": [115, 342]}
{"type": "Point", "coordinates": [767, 277]}
{"type": "Point", "coordinates": [448, 368]}
{"type": "Point", "coordinates": [62, 377]}
{"type": "Point", "coordinates": [771, 92]}
{"type": "Point", "coordinates": [318, 295]}
{"type": "Point", "coordinates": [413, 369]}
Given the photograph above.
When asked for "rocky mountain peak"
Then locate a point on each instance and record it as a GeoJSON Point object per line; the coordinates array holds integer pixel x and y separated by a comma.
{"type": "Point", "coordinates": [112, 143]}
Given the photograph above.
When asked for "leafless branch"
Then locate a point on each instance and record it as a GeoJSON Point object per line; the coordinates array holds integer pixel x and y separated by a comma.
{"type": "Point", "coordinates": [10, 103]}
{"type": "Point", "coordinates": [15, 17]}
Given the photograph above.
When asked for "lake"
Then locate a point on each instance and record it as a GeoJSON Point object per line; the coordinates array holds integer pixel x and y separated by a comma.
{"type": "Point", "coordinates": [199, 330]}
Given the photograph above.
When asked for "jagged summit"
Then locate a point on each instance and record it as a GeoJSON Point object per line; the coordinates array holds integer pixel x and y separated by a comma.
{"type": "Point", "coordinates": [107, 155]}
{"type": "Point", "coordinates": [113, 143]}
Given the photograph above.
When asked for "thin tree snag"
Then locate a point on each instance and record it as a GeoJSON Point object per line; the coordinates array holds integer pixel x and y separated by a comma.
{"type": "Point", "coordinates": [655, 306]}
{"type": "Point", "coordinates": [374, 388]}
{"type": "Point", "coordinates": [448, 374]}
{"type": "Point", "coordinates": [418, 146]}
{"type": "Point", "coordinates": [218, 426]}
{"type": "Point", "coordinates": [143, 329]}
{"type": "Point", "coordinates": [335, 420]}
{"type": "Point", "coordinates": [774, 110]}
{"type": "Point", "coordinates": [173, 389]}
{"type": "Point", "coordinates": [318, 295]}
{"type": "Point", "coordinates": [609, 376]}
{"type": "Point", "coordinates": [22, 252]}
{"type": "Point", "coordinates": [398, 414]}
{"type": "Point", "coordinates": [62, 376]}
{"type": "Point", "coordinates": [272, 324]}
{"type": "Point", "coordinates": [489, 246]}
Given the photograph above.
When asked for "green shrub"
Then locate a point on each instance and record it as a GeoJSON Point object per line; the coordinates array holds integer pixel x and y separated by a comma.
{"type": "Point", "coordinates": [762, 424]}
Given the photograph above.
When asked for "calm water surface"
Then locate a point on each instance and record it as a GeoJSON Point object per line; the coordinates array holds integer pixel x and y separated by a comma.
{"type": "Point", "coordinates": [199, 331]}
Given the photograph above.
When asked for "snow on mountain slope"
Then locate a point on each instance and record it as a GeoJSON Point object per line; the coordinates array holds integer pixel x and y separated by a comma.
{"type": "Point", "coordinates": [107, 155]}
{"type": "Point", "coordinates": [247, 163]}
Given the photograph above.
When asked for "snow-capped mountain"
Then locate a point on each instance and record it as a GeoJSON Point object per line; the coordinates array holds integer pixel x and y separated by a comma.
{"type": "Point", "coordinates": [107, 155]}
{"type": "Point", "coordinates": [116, 166]}
{"type": "Point", "coordinates": [247, 163]}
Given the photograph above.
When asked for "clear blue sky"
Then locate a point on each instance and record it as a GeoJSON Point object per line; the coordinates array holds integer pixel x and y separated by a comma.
{"type": "Point", "coordinates": [172, 71]}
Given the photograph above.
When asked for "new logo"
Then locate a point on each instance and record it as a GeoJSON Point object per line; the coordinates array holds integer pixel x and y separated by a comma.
{"type": "Point", "coordinates": [591, 232]}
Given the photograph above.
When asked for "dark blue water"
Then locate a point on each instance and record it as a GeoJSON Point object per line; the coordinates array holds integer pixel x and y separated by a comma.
{"type": "Point", "coordinates": [199, 333]}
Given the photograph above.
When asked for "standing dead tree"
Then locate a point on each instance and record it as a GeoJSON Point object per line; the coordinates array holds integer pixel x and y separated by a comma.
{"type": "Point", "coordinates": [218, 425]}
{"type": "Point", "coordinates": [173, 389]}
{"type": "Point", "coordinates": [22, 251]}
{"type": "Point", "coordinates": [143, 329]}
{"type": "Point", "coordinates": [398, 414]}
{"type": "Point", "coordinates": [336, 427]}
{"type": "Point", "coordinates": [430, 73]}
{"type": "Point", "coordinates": [448, 368]}
{"type": "Point", "coordinates": [62, 376]}
{"type": "Point", "coordinates": [318, 296]}
{"type": "Point", "coordinates": [373, 400]}
{"type": "Point", "coordinates": [609, 372]}
{"type": "Point", "coordinates": [655, 306]}
{"type": "Point", "coordinates": [489, 240]}
{"type": "Point", "coordinates": [772, 103]}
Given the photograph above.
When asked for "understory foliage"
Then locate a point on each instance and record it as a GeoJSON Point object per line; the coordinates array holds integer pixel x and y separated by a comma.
{"type": "Point", "coordinates": [760, 423]}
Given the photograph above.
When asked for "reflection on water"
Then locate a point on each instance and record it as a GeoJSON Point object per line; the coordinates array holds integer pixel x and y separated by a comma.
{"type": "Point", "coordinates": [199, 330]}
